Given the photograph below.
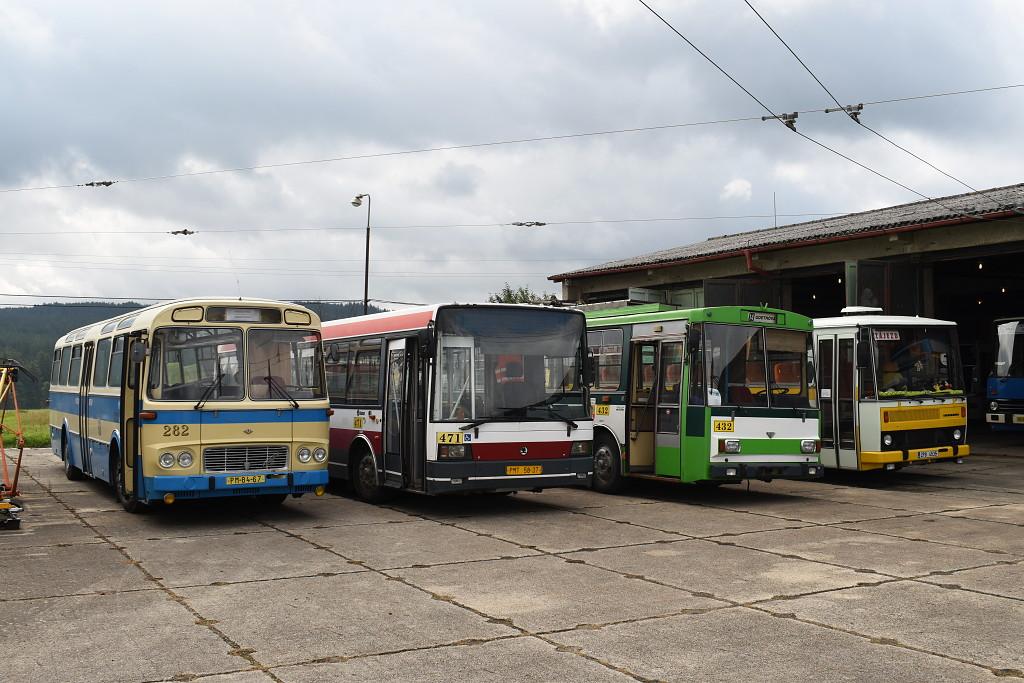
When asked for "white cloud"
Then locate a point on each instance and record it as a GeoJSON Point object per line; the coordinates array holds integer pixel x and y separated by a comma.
{"type": "Point", "coordinates": [737, 188]}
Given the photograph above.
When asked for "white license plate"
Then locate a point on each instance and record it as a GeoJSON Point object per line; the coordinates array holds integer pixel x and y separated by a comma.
{"type": "Point", "coordinates": [933, 453]}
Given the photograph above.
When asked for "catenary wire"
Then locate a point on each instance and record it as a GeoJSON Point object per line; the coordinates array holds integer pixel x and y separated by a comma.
{"type": "Point", "coordinates": [822, 145]}
{"type": "Point", "coordinates": [495, 143]}
{"type": "Point", "coordinates": [856, 119]}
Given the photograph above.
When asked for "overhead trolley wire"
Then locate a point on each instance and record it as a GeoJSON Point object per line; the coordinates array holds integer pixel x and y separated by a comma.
{"type": "Point", "coordinates": [780, 118]}
{"type": "Point", "coordinates": [856, 118]}
{"type": "Point", "coordinates": [476, 145]}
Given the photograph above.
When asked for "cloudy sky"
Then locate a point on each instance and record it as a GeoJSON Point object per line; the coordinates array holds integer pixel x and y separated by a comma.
{"type": "Point", "coordinates": [102, 90]}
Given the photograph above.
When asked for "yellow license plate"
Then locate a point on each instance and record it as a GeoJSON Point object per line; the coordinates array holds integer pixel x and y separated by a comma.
{"type": "Point", "coordinates": [248, 479]}
{"type": "Point", "coordinates": [602, 410]}
{"type": "Point", "coordinates": [449, 437]}
{"type": "Point", "coordinates": [524, 469]}
{"type": "Point", "coordinates": [724, 426]}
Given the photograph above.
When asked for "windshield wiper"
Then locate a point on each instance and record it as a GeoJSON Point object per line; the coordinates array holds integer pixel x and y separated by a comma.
{"type": "Point", "coordinates": [484, 420]}
{"type": "Point", "coordinates": [273, 383]}
{"type": "Point", "coordinates": [209, 391]}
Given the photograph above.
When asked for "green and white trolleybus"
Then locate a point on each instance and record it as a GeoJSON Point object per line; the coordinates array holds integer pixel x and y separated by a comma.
{"type": "Point", "coordinates": [708, 395]}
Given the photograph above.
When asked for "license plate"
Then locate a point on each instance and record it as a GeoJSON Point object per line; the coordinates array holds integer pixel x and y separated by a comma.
{"type": "Point", "coordinates": [247, 479]}
{"type": "Point", "coordinates": [524, 469]}
{"type": "Point", "coordinates": [933, 453]}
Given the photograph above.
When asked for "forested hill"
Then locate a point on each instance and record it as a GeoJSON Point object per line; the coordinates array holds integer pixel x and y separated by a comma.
{"type": "Point", "coordinates": [28, 335]}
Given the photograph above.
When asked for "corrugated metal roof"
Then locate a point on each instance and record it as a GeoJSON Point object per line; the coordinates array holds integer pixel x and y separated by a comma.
{"type": "Point", "coordinates": [926, 211]}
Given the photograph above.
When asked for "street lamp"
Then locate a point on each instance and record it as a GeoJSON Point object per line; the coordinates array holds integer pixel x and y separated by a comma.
{"type": "Point", "coordinates": [358, 201]}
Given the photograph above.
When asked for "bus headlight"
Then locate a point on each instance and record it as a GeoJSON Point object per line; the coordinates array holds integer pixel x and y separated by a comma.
{"type": "Point", "coordinates": [451, 451]}
{"type": "Point", "coordinates": [809, 446]}
{"type": "Point", "coordinates": [184, 459]}
{"type": "Point", "coordinates": [166, 460]}
{"type": "Point", "coordinates": [993, 406]}
{"type": "Point", "coordinates": [957, 434]}
{"type": "Point", "coordinates": [304, 455]}
{"type": "Point", "coordinates": [319, 454]}
{"type": "Point", "coordinates": [728, 445]}
{"type": "Point", "coordinates": [580, 448]}
{"type": "Point", "coordinates": [887, 439]}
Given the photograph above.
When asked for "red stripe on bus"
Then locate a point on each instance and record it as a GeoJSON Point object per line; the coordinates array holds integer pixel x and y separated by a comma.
{"type": "Point", "coordinates": [341, 439]}
{"type": "Point", "coordinates": [395, 323]}
{"type": "Point", "coordinates": [535, 450]}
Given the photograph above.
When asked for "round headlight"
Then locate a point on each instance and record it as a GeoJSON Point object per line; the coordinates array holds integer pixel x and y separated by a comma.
{"type": "Point", "coordinates": [304, 454]}
{"type": "Point", "coordinates": [320, 454]}
{"type": "Point", "coordinates": [166, 460]}
{"type": "Point", "coordinates": [887, 439]}
{"type": "Point", "coordinates": [184, 459]}
{"type": "Point", "coordinates": [957, 434]}
{"type": "Point", "coordinates": [993, 406]}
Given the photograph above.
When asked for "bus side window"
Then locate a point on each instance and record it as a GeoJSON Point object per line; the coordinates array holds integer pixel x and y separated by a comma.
{"type": "Point", "coordinates": [55, 370]}
{"type": "Point", "coordinates": [337, 371]}
{"type": "Point", "coordinates": [609, 360]}
{"type": "Point", "coordinates": [99, 375]}
{"type": "Point", "coordinates": [117, 362]}
{"type": "Point", "coordinates": [364, 380]}
{"type": "Point", "coordinates": [65, 365]}
{"type": "Point", "coordinates": [76, 365]}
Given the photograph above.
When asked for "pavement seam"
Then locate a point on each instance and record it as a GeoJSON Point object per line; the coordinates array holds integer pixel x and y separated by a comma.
{"type": "Point", "coordinates": [200, 620]}
{"type": "Point", "coordinates": [926, 540]}
{"type": "Point", "coordinates": [452, 601]}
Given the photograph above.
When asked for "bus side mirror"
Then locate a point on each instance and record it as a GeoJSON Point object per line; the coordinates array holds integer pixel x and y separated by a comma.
{"type": "Point", "coordinates": [427, 342]}
{"type": "Point", "coordinates": [863, 351]}
{"type": "Point", "coordinates": [589, 373]}
{"type": "Point", "coordinates": [693, 344]}
{"type": "Point", "coordinates": [138, 354]}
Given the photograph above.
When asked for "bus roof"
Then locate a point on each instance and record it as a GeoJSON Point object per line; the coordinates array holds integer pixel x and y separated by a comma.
{"type": "Point", "coordinates": [408, 319]}
{"type": "Point", "coordinates": [716, 314]}
{"type": "Point", "coordinates": [142, 318]}
{"type": "Point", "coordinates": [875, 320]}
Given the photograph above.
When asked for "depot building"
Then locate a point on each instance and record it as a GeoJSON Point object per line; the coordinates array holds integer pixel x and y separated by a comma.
{"type": "Point", "coordinates": [958, 258]}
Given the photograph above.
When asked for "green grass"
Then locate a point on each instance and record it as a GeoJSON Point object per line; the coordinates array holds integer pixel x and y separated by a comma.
{"type": "Point", "coordinates": [36, 424]}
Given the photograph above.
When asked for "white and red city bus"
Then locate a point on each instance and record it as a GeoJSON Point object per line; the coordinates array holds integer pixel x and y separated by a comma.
{"type": "Point", "coordinates": [451, 397]}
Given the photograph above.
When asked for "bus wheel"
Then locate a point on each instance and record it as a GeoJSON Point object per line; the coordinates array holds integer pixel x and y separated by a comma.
{"type": "Point", "coordinates": [364, 481]}
{"type": "Point", "coordinates": [607, 468]}
{"type": "Point", "coordinates": [129, 501]}
{"type": "Point", "coordinates": [70, 471]}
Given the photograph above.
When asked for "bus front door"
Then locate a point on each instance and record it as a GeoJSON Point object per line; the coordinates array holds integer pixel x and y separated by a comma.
{"type": "Point", "coordinates": [85, 448]}
{"type": "Point", "coordinates": [642, 407]}
{"type": "Point", "coordinates": [395, 414]}
{"type": "Point", "coordinates": [837, 369]}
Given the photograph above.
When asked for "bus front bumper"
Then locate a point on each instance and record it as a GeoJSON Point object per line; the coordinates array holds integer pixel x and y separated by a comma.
{"type": "Point", "coordinates": [874, 460]}
{"type": "Point", "coordinates": [498, 475]}
{"type": "Point", "coordinates": [217, 486]}
{"type": "Point", "coordinates": [765, 471]}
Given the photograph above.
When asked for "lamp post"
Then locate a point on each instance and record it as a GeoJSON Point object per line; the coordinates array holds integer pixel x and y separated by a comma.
{"type": "Point", "coordinates": [358, 201]}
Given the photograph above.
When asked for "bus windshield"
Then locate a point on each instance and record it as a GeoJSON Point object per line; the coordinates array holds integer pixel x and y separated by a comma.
{"type": "Point", "coordinates": [508, 364]}
{"type": "Point", "coordinates": [285, 364]}
{"type": "Point", "coordinates": [195, 363]}
{"type": "Point", "coordinates": [1010, 354]}
{"type": "Point", "coordinates": [915, 360]}
{"type": "Point", "coordinates": [757, 366]}
{"type": "Point", "coordinates": [187, 361]}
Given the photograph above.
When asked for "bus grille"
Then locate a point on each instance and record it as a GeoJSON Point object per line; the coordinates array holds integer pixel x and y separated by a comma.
{"type": "Point", "coordinates": [241, 458]}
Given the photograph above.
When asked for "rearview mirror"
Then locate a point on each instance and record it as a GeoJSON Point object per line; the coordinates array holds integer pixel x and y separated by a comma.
{"type": "Point", "coordinates": [139, 349]}
{"type": "Point", "coordinates": [589, 369]}
{"type": "Point", "coordinates": [427, 341]}
{"type": "Point", "coordinates": [863, 348]}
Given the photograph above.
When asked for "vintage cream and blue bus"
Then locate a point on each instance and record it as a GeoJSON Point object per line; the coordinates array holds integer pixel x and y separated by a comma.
{"type": "Point", "coordinates": [708, 395]}
{"type": "Point", "coordinates": [1004, 390]}
{"type": "Point", "coordinates": [456, 398]}
{"type": "Point", "coordinates": [197, 398]}
{"type": "Point", "coordinates": [891, 391]}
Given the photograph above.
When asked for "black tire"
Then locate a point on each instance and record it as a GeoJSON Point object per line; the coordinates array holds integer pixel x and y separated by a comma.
{"type": "Point", "coordinates": [365, 482]}
{"type": "Point", "coordinates": [70, 471]}
{"type": "Point", "coordinates": [607, 466]}
{"type": "Point", "coordinates": [129, 501]}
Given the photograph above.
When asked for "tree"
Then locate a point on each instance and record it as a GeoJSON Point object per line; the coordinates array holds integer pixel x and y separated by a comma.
{"type": "Point", "coordinates": [519, 295]}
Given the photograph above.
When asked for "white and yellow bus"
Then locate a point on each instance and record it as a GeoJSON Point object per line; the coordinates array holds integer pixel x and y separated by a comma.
{"type": "Point", "coordinates": [890, 389]}
{"type": "Point", "coordinates": [197, 398]}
